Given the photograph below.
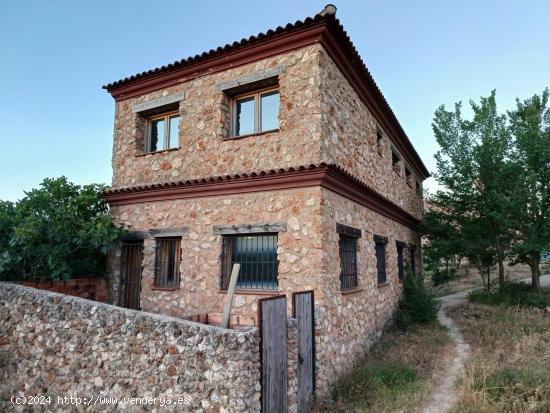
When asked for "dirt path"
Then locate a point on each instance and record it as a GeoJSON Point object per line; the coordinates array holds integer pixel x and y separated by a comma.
{"type": "Point", "coordinates": [444, 395]}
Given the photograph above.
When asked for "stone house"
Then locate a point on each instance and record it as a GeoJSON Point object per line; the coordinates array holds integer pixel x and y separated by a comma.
{"type": "Point", "coordinates": [278, 152]}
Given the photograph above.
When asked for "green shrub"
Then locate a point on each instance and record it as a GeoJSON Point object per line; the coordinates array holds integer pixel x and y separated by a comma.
{"type": "Point", "coordinates": [417, 305]}
{"type": "Point", "coordinates": [440, 277]}
{"type": "Point", "coordinates": [512, 293]}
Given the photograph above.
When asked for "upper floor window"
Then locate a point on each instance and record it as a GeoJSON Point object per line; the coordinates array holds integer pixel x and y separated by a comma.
{"type": "Point", "coordinates": [162, 132]}
{"type": "Point", "coordinates": [256, 112]}
{"type": "Point", "coordinates": [379, 142]}
{"type": "Point", "coordinates": [419, 188]}
{"type": "Point", "coordinates": [396, 162]}
{"type": "Point", "coordinates": [408, 176]}
{"type": "Point", "coordinates": [257, 254]}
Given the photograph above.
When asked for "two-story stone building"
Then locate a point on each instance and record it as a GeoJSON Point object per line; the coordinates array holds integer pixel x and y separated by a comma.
{"type": "Point", "coordinates": [278, 152]}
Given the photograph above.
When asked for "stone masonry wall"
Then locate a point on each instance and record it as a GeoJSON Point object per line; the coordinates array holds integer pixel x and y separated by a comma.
{"type": "Point", "coordinates": [349, 140]}
{"type": "Point", "coordinates": [299, 247]}
{"type": "Point", "coordinates": [205, 120]}
{"type": "Point", "coordinates": [346, 324]}
{"type": "Point", "coordinates": [350, 323]}
{"type": "Point", "coordinates": [58, 345]}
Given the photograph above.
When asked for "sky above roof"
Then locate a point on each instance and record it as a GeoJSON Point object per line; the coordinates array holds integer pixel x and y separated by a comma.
{"type": "Point", "coordinates": [56, 119]}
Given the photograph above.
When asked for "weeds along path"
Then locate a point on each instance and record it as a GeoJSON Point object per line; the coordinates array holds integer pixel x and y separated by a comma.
{"type": "Point", "coordinates": [444, 394]}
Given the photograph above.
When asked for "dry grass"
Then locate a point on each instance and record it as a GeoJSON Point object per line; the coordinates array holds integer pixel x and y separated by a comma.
{"type": "Point", "coordinates": [396, 376]}
{"type": "Point", "coordinates": [510, 366]}
{"type": "Point", "coordinates": [469, 278]}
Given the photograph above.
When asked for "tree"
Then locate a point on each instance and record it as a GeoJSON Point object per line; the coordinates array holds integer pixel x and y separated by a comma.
{"type": "Point", "coordinates": [477, 176]}
{"type": "Point", "coordinates": [530, 126]}
{"type": "Point", "coordinates": [56, 232]}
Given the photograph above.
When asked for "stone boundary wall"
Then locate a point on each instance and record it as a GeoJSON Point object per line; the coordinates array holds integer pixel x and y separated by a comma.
{"type": "Point", "coordinates": [292, 356]}
{"type": "Point", "coordinates": [92, 288]}
{"type": "Point", "coordinates": [58, 345]}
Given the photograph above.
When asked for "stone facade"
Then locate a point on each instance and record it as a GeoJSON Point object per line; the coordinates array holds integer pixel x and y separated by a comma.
{"type": "Point", "coordinates": [299, 249]}
{"type": "Point", "coordinates": [205, 121]}
{"type": "Point", "coordinates": [351, 322]}
{"type": "Point", "coordinates": [349, 139]}
{"type": "Point", "coordinates": [58, 345]}
{"type": "Point", "coordinates": [322, 119]}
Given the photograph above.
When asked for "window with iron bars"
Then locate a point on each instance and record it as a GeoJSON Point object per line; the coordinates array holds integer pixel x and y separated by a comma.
{"type": "Point", "coordinates": [167, 262]}
{"type": "Point", "coordinates": [380, 249]}
{"type": "Point", "coordinates": [400, 267]}
{"type": "Point", "coordinates": [348, 261]}
{"type": "Point", "coordinates": [257, 254]}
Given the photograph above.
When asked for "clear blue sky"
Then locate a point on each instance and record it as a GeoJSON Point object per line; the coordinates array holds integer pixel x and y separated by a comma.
{"type": "Point", "coordinates": [56, 55]}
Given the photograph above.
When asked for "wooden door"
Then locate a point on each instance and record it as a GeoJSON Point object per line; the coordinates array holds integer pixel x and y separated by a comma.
{"type": "Point", "coordinates": [303, 309]}
{"type": "Point", "coordinates": [130, 274]}
{"type": "Point", "coordinates": [274, 358]}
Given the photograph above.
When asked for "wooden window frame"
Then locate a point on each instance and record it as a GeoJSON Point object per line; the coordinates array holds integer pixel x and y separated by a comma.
{"type": "Point", "coordinates": [256, 94]}
{"type": "Point", "coordinates": [166, 140]}
{"type": "Point", "coordinates": [161, 281]}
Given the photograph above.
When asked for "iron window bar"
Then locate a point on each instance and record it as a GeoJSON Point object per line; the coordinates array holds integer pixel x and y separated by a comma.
{"type": "Point", "coordinates": [257, 254]}
{"type": "Point", "coordinates": [348, 261]}
{"type": "Point", "coordinates": [167, 262]}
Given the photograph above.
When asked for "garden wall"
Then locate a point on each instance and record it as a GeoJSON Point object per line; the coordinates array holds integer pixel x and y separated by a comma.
{"type": "Point", "coordinates": [62, 346]}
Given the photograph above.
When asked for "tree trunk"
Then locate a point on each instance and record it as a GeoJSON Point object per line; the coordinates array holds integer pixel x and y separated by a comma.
{"type": "Point", "coordinates": [500, 258]}
{"type": "Point", "coordinates": [535, 273]}
{"type": "Point", "coordinates": [501, 272]}
{"type": "Point", "coordinates": [458, 263]}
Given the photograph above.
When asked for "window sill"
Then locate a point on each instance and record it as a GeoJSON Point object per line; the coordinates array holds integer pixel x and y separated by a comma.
{"type": "Point", "coordinates": [156, 288]}
{"type": "Point", "coordinates": [157, 152]}
{"type": "Point", "coordinates": [251, 291]}
{"type": "Point", "coordinates": [232, 138]}
{"type": "Point", "coordinates": [351, 291]}
{"type": "Point", "coordinates": [382, 285]}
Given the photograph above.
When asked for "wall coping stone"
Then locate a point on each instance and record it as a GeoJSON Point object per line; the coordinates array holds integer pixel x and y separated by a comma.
{"type": "Point", "coordinates": [7, 287]}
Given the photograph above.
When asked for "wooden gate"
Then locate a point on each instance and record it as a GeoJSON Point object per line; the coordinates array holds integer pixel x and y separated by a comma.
{"type": "Point", "coordinates": [274, 361]}
{"type": "Point", "coordinates": [130, 274]}
{"type": "Point", "coordinates": [303, 305]}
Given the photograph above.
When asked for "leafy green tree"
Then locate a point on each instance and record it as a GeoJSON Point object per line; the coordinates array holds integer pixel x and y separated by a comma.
{"type": "Point", "coordinates": [477, 176]}
{"type": "Point", "coordinates": [530, 126]}
{"type": "Point", "coordinates": [56, 232]}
